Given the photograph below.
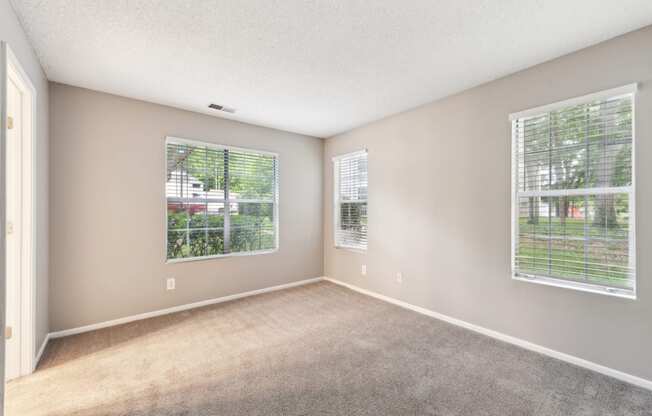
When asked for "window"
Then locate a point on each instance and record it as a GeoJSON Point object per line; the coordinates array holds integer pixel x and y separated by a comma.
{"type": "Point", "coordinates": [573, 188]}
{"type": "Point", "coordinates": [351, 200]}
{"type": "Point", "coordinates": [220, 200]}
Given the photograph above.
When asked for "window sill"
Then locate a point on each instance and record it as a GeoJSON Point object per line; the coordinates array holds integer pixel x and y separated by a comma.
{"type": "Point", "coordinates": [220, 256]}
{"type": "Point", "coordinates": [582, 287]}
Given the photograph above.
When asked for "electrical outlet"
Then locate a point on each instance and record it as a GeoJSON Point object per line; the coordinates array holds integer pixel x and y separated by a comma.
{"type": "Point", "coordinates": [171, 284]}
{"type": "Point", "coordinates": [363, 270]}
{"type": "Point", "coordinates": [399, 277]}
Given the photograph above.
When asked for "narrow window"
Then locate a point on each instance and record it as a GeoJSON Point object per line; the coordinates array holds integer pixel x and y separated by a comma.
{"type": "Point", "coordinates": [573, 188]}
{"type": "Point", "coordinates": [220, 200]}
{"type": "Point", "coordinates": [351, 200]}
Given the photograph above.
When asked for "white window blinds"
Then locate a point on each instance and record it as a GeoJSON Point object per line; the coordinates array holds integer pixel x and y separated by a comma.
{"type": "Point", "coordinates": [220, 200]}
{"type": "Point", "coordinates": [351, 200]}
{"type": "Point", "coordinates": [573, 194]}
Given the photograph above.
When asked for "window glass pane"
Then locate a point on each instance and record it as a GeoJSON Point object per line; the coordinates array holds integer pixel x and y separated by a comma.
{"type": "Point", "coordinates": [567, 235]}
{"type": "Point", "coordinates": [609, 165]}
{"type": "Point", "coordinates": [197, 193]}
{"type": "Point", "coordinates": [213, 177]}
{"type": "Point", "coordinates": [178, 216]}
{"type": "Point", "coordinates": [533, 141]}
{"type": "Point", "coordinates": [251, 176]}
{"type": "Point", "coordinates": [582, 238]}
{"type": "Point", "coordinates": [532, 256]}
{"type": "Point", "coordinates": [184, 220]}
{"type": "Point", "coordinates": [608, 240]}
{"type": "Point", "coordinates": [351, 230]}
{"type": "Point", "coordinates": [353, 224]}
{"type": "Point", "coordinates": [353, 178]}
{"type": "Point", "coordinates": [215, 229]}
{"type": "Point", "coordinates": [252, 227]}
{"type": "Point", "coordinates": [565, 230]}
{"type": "Point", "coordinates": [588, 145]}
{"type": "Point", "coordinates": [178, 246]}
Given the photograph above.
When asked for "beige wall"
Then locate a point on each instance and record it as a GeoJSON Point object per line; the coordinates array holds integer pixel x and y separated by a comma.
{"type": "Point", "coordinates": [108, 211]}
{"type": "Point", "coordinates": [439, 210]}
{"type": "Point", "coordinates": [12, 33]}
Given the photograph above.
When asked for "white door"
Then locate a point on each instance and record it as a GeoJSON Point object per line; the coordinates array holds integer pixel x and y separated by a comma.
{"type": "Point", "coordinates": [15, 125]}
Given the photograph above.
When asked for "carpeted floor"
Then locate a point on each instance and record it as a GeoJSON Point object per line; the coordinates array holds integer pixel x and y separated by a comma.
{"type": "Point", "coordinates": [313, 350]}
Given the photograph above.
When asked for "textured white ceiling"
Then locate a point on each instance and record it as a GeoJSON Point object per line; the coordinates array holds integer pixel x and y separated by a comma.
{"type": "Point", "coordinates": [313, 67]}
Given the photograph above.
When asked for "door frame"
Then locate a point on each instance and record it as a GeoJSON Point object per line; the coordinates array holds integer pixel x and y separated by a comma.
{"type": "Point", "coordinates": [14, 69]}
{"type": "Point", "coordinates": [3, 283]}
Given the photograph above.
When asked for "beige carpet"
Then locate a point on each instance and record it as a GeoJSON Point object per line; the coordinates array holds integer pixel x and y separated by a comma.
{"type": "Point", "coordinates": [313, 350]}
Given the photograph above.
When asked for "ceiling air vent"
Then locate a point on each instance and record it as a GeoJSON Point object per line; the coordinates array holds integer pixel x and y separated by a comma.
{"type": "Point", "coordinates": [221, 108]}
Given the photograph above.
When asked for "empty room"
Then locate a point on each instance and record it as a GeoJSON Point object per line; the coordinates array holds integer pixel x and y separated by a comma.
{"type": "Point", "coordinates": [337, 207]}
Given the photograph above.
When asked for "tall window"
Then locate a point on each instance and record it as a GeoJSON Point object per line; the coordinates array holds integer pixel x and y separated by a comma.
{"type": "Point", "coordinates": [573, 183]}
{"type": "Point", "coordinates": [351, 200]}
{"type": "Point", "coordinates": [220, 200]}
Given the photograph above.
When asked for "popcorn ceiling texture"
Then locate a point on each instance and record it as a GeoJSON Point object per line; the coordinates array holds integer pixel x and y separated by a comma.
{"type": "Point", "coordinates": [311, 67]}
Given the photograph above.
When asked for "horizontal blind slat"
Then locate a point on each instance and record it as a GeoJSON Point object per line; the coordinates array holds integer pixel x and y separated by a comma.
{"type": "Point", "coordinates": [204, 183]}
{"type": "Point", "coordinates": [351, 224]}
{"type": "Point", "coordinates": [573, 172]}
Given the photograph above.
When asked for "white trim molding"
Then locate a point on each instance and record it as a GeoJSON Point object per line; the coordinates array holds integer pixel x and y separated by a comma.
{"type": "Point", "coordinates": [41, 350]}
{"type": "Point", "coordinates": [619, 375]}
{"type": "Point", "coordinates": [13, 69]}
{"type": "Point", "coordinates": [213, 145]}
{"type": "Point", "coordinates": [3, 210]}
{"type": "Point", "coordinates": [596, 96]}
{"type": "Point", "coordinates": [160, 312]}
{"type": "Point", "coordinates": [598, 368]}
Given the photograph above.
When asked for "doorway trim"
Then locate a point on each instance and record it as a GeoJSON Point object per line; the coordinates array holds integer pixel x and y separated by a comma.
{"type": "Point", "coordinates": [14, 69]}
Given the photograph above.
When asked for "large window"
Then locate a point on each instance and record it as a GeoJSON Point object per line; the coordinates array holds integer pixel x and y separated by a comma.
{"type": "Point", "coordinates": [220, 200]}
{"type": "Point", "coordinates": [351, 200]}
{"type": "Point", "coordinates": [573, 187]}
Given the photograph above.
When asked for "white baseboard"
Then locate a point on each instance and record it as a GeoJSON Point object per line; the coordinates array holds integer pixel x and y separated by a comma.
{"type": "Point", "coordinates": [120, 321]}
{"type": "Point", "coordinates": [39, 354]}
{"type": "Point", "coordinates": [628, 378]}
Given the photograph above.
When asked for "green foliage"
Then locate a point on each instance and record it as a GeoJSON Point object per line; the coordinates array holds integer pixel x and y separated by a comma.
{"type": "Point", "coordinates": [251, 176]}
{"type": "Point", "coordinates": [567, 261]}
{"type": "Point", "coordinates": [250, 233]}
{"type": "Point", "coordinates": [583, 146]}
{"type": "Point", "coordinates": [559, 248]}
{"type": "Point", "coordinates": [197, 235]}
{"type": "Point", "coordinates": [353, 216]}
{"type": "Point", "coordinates": [192, 232]}
{"type": "Point", "coordinates": [207, 166]}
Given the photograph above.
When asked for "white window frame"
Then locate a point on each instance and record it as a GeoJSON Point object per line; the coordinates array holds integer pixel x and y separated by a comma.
{"type": "Point", "coordinates": [336, 200]}
{"type": "Point", "coordinates": [625, 90]}
{"type": "Point", "coordinates": [194, 142]}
